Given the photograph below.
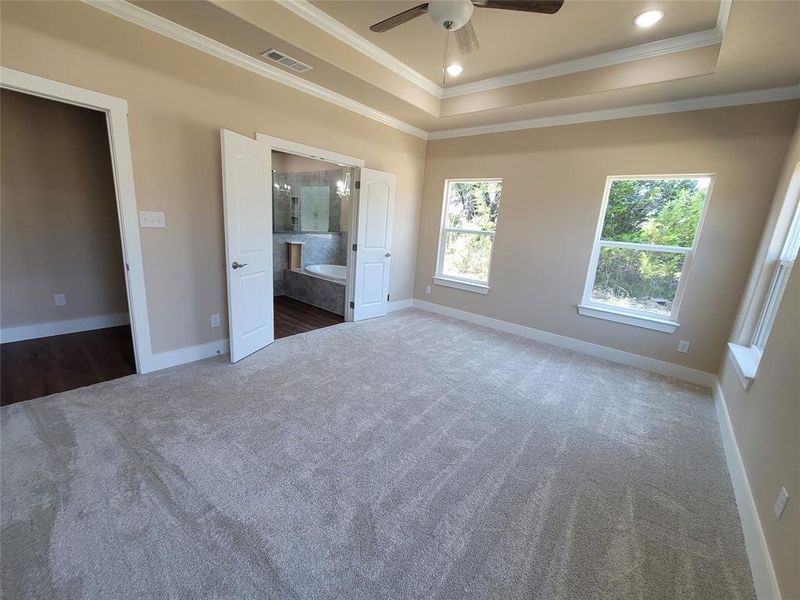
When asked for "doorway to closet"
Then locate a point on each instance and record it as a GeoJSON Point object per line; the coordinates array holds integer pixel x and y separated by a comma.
{"type": "Point", "coordinates": [63, 305]}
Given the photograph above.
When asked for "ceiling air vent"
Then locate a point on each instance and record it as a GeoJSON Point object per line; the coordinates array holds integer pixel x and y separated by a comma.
{"type": "Point", "coordinates": [287, 61]}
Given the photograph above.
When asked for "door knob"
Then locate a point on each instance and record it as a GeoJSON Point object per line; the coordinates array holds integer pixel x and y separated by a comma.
{"type": "Point", "coordinates": [388, 254]}
{"type": "Point", "coordinates": [237, 265]}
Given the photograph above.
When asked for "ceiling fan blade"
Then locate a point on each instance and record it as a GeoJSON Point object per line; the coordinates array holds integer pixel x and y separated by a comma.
{"type": "Point", "coordinates": [547, 7]}
{"type": "Point", "coordinates": [466, 38]}
{"type": "Point", "coordinates": [400, 18]}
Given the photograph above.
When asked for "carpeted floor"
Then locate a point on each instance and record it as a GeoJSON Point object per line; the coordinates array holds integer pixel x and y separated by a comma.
{"type": "Point", "coordinates": [407, 457]}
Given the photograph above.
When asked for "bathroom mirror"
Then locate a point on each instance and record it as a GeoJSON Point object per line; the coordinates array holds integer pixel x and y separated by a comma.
{"type": "Point", "coordinates": [310, 201]}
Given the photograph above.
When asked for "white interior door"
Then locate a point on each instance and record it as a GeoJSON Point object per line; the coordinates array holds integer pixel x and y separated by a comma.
{"type": "Point", "coordinates": [246, 185]}
{"type": "Point", "coordinates": [373, 244]}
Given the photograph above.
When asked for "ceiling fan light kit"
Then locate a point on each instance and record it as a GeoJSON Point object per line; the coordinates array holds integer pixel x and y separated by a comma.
{"type": "Point", "coordinates": [450, 14]}
{"type": "Point", "coordinates": [456, 15]}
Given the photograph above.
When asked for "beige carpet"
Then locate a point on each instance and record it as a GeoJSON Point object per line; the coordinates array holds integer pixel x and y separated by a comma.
{"type": "Point", "coordinates": [407, 457]}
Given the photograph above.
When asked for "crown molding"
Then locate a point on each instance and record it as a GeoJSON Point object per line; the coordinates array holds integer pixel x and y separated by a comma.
{"type": "Point", "coordinates": [672, 45]}
{"type": "Point", "coordinates": [325, 22]}
{"type": "Point", "coordinates": [682, 43]}
{"type": "Point", "coordinates": [167, 28]}
{"type": "Point", "coordinates": [144, 18]}
{"type": "Point", "coordinates": [642, 110]}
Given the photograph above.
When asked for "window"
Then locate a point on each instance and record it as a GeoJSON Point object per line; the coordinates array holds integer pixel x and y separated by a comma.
{"type": "Point", "coordinates": [783, 270]}
{"type": "Point", "coordinates": [467, 235]}
{"type": "Point", "coordinates": [773, 269]}
{"type": "Point", "coordinates": [643, 249]}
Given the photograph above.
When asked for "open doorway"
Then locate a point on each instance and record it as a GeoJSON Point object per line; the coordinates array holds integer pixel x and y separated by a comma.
{"type": "Point", "coordinates": [63, 307]}
{"type": "Point", "coordinates": [311, 222]}
{"type": "Point", "coordinates": [247, 183]}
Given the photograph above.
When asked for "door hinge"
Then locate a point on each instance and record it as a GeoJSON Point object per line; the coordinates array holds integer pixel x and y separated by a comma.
{"type": "Point", "coordinates": [355, 247]}
{"type": "Point", "coordinates": [387, 297]}
{"type": "Point", "coordinates": [127, 267]}
{"type": "Point", "coordinates": [358, 185]}
{"type": "Point", "coordinates": [352, 305]}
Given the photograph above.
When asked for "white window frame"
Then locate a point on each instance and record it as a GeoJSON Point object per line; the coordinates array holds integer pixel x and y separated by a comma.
{"type": "Point", "coordinates": [629, 316]}
{"type": "Point", "coordinates": [779, 257]}
{"type": "Point", "coordinates": [463, 283]}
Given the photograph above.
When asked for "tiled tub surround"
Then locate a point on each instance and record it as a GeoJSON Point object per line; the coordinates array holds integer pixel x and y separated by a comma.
{"type": "Point", "coordinates": [315, 291]}
{"type": "Point", "coordinates": [318, 249]}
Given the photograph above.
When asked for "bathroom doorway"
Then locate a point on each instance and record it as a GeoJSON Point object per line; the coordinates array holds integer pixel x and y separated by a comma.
{"type": "Point", "coordinates": [311, 216]}
{"type": "Point", "coordinates": [247, 183]}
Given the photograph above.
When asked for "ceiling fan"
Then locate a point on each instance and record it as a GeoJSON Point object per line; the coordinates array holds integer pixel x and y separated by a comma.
{"type": "Point", "coordinates": [455, 15]}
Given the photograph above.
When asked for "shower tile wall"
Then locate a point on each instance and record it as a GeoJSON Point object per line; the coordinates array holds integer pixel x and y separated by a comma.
{"type": "Point", "coordinates": [318, 249]}
{"type": "Point", "coordinates": [282, 217]}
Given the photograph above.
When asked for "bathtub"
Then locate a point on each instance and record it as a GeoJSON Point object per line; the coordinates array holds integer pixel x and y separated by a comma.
{"type": "Point", "coordinates": [335, 273]}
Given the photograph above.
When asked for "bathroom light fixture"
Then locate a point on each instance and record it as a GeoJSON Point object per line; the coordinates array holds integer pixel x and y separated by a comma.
{"type": "Point", "coordinates": [649, 18]}
{"type": "Point", "coordinates": [455, 70]}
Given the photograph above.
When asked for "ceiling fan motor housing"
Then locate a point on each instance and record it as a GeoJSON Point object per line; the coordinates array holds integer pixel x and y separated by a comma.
{"type": "Point", "coordinates": [450, 14]}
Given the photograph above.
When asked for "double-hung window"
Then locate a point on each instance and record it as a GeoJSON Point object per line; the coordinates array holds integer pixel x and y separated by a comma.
{"type": "Point", "coordinates": [783, 270]}
{"type": "Point", "coordinates": [776, 268]}
{"type": "Point", "coordinates": [643, 249]}
{"type": "Point", "coordinates": [469, 218]}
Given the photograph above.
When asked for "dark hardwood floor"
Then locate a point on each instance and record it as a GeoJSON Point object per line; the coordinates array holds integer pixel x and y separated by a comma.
{"type": "Point", "coordinates": [293, 316]}
{"type": "Point", "coordinates": [44, 366]}
{"type": "Point", "coordinates": [35, 368]}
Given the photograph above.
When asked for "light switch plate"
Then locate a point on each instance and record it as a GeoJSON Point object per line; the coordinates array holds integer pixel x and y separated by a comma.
{"type": "Point", "coordinates": [683, 346]}
{"type": "Point", "coordinates": [215, 320]}
{"type": "Point", "coordinates": [60, 299]}
{"type": "Point", "coordinates": [152, 218]}
{"type": "Point", "coordinates": [780, 503]}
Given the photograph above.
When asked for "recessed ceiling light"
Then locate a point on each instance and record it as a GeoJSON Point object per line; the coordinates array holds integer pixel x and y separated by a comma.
{"type": "Point", "coordinates": [649, 18]}
{"type": "Point", "coordinates": [454, 70]}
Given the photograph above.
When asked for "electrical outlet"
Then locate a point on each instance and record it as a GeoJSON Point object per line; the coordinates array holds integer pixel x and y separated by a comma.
{"type": "Point", "coordinates": [215, 320]}
{"type": "Point", "coordinates": [60, 299]}
{"type": "Point", "coordinates": [780, 503]}
{"type": "Point", "coordinates": [427, 289]}
{"type": "Point", "coordinates": [683, 346]}
{"type": "Point", "coordinates": [151, 218]}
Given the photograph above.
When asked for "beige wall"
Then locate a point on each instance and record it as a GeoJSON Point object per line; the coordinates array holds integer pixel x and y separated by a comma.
{"type": "Point", "coordinates": [178, 99]}
{"type": "Point", "coordinates": [766, 422]}
{"type": "Point", "coordinates": [60, 232]}
{"type": "Point", "coordinates": [766, 418]}
{"type": "Point", "coordinates": [293, 163]}
{"type": "Point", "coordinates": [553, 181]}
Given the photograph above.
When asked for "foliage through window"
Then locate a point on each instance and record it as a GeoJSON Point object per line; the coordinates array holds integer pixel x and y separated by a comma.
{"type": "Point", "coordinates": [467, 237]}
{"type": "Point", "coordinates": [646, 242]}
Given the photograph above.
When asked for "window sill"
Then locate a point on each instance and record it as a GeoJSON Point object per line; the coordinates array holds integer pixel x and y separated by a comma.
{"type": "Point", "coordinates": [478, 288]}
{"type": "Point", "coordinates": [745, 360]}
{"type": "Point", "coordinates": [654, 323]}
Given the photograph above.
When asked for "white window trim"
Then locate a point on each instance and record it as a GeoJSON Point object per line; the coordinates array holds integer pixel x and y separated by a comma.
{"type": "Point", "coordinates": [462, 283]}
{"type": "Point", "coordinates": [638, 318]}
{"type": "Point", "coordinates": [780, 247]}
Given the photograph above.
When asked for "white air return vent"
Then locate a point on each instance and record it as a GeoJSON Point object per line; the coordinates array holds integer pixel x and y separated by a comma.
{"type": "Point", "coordinates": [287, 61]}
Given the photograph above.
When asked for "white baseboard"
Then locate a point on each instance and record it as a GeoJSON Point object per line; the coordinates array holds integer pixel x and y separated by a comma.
{"type": "Point", "coordinates": [40, 330]}
{"type": "Point", "coordinates": [764, 580]}
{"type": "Point", "coordinates": [661, 367]}
{"type": "Point", "coordinates": [181, 356]}
{"type": "Point", "coordinates": [400, 305]}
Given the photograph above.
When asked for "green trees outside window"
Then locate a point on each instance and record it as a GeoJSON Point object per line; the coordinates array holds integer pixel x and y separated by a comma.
{"type": "Point", "coordinates": [469, 226]}
{"type": "Point", "coordinates": [648, 230]}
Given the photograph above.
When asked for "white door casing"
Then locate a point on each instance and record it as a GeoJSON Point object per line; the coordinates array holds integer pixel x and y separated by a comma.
{"type": "Point", "coordinates": [373, 244]}
{"type": "Point", "coordinates": [247, 201]}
